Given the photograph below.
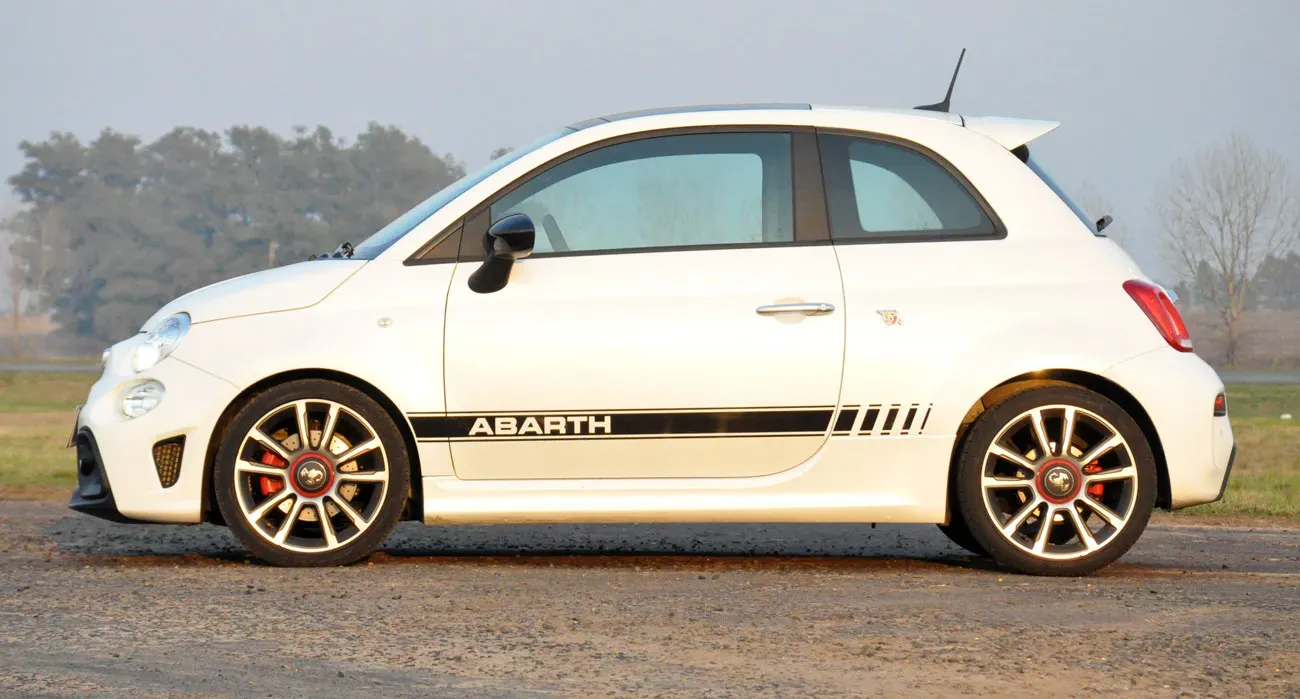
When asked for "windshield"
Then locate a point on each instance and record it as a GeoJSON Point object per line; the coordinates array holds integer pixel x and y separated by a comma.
{"type": "Point", "coordinates": [1051, 183]}
{"type": "Point", "coordinates": [371, 247]}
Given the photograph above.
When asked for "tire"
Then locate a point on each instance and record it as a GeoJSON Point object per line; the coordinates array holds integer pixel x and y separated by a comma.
{"type": "Point", "coordinates": [958, 532]}
{"type": "Point", "coordinates": [328, 499]}
{"type": "Point", "coordinates": [1024, 503]}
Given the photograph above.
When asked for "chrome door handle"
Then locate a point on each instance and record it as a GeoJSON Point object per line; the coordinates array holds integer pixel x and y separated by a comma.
{"type": "Point", "coordinates": [808, 309]}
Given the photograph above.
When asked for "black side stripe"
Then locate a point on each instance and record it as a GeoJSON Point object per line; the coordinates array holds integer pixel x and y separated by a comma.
{"type": "Point", "coordinates": [844, 424]}
{"type": "Point", "coordinates": [793, 422]}
{"type": "Point", "coordinates": [869, 424]}
{"type": "Point", "coordinates": [889, 419]}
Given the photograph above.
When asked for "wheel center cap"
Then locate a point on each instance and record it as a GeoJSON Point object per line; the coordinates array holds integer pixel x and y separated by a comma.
{"type": "Point", "coordinates": [311, 475]}
{"type": "Point", "coordinates": [1058, 481]}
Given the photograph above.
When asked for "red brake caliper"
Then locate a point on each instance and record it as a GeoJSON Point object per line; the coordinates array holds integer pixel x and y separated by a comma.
{"type": "Point", "coordinates": [1097, 489]}
{"type": "Point", "coordinates": [267, 484]}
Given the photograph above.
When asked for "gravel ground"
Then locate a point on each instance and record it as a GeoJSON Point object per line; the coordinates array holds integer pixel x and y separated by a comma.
{"type": "Point", "coordinates": [92, 608]}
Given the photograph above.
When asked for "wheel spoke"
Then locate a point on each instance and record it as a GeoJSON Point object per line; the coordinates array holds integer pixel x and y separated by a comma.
{"type": "Point", "coordinates": [304, 431]}
{"type": "Point", "coordinates": [246, 466]}
{"type": "Point", "coordinates": [1040, 433]}
{"type": "Point", "coordinates": [1114, 474]}
{"type": "Point", "coordinates": [1081, 528]}
{"type": "Point", "coordinates": [287, 525]}
{"type": "Point", "coordinates": [1096, 453]}
{"type": "Point", "coordinates": [1002, 452]}
{"type": "Point", "coordinates": [326, 526]}
{"type": "Point", "coordinates": [270, 444]}
{"type": "Point", "coordinates": [357, 520]}
{"type": "Point", "coordinates": [274, 501]}
{"type": "Point", "coordinates": [327, 432]}
{"type": "Point", "coordinates": [364, 476]}
{"type": "Point", "coordinates": [1044, 529]}
{"type": "Point", "coordinates": [1067, 430]}
{"type": "Point", "coordinates": [1018, 520]}
{"type": "Point", "coordinates": [358, 450]}
{"type": "Point", "coordinates": [1112, 518]}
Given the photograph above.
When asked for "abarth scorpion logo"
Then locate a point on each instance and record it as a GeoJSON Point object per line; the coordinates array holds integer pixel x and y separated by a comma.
{"type": "Point", "coordinates": [890, 317]}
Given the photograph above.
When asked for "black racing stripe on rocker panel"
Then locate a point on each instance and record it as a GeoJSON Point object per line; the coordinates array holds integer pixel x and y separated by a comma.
{"type": "Point", "coordinates": [640, 424]}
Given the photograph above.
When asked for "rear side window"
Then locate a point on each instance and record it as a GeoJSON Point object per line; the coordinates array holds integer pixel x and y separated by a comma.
{"type": "Point", "coordinates": [879, 190]}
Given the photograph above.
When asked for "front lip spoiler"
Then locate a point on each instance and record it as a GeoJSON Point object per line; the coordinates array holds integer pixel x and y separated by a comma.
{"type": "Point", "coordinates": [1227, 472]}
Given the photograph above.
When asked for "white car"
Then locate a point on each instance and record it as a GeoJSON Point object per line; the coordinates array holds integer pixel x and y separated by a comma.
{"type": "Point", "coordinates": [754, 313]}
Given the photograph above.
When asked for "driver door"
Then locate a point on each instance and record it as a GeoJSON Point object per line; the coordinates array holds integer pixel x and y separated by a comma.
{"type": "Point", "coordinates": [669, 323]}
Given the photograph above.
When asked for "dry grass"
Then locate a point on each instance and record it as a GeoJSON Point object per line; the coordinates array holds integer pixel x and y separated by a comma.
{"type": "Point", "coordinates": [36, 413]}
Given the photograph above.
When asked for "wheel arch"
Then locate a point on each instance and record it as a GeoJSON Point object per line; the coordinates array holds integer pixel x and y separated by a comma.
{"type": "Point", "coordinates": [1066, 377]}
{"type": "Point", "coordinates": [415, 501]}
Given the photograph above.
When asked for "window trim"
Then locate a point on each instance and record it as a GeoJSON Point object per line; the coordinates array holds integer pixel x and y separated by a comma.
{"type": "Point", "coordinates": [808, 195]}
{"type": "Point", "coordinates": [999, 229]}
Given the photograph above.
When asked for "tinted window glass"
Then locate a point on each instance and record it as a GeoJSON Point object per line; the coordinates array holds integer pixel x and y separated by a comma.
{"type": "Point", "coordinates": [670, 191]}
{"type": "Point", "coordinates": [882, 190]}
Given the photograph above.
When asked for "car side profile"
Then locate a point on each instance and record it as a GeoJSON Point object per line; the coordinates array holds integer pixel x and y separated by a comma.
{"type": "Point", "coordinates": [749, 313]}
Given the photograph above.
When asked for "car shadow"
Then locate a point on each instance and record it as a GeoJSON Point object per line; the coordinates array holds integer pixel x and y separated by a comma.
{"type": "Point", "coordinates": [685, 546]}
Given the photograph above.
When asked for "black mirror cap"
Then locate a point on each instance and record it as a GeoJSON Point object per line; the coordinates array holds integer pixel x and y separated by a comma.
{"type": "Point", "coordinates": [511, 238]}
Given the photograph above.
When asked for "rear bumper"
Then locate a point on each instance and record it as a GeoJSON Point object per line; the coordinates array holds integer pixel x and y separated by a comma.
{"type": "Point", "coordinates": [1177, 390]}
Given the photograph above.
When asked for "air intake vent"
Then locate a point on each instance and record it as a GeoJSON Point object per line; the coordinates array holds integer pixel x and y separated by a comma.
{"type": "Point", "coordinates": [167, 460]}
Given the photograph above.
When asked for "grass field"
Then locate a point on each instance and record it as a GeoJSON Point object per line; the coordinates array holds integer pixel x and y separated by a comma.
{"type": "Point", "coordinates": [36, 418]}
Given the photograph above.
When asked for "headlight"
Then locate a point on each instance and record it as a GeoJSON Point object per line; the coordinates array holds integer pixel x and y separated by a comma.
{"type": "Point", "coordinates": [142, 398]}
{"type": "Point", "coordinates": [160, 342]}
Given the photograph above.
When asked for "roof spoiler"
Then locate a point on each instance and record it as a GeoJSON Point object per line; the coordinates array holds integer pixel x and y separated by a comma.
{"type": "Point", "coordinates": [1010, 133]}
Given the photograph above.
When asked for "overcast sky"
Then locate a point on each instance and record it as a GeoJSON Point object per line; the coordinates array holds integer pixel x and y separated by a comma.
{"type": "Point", "coordinates": [1137, 84]}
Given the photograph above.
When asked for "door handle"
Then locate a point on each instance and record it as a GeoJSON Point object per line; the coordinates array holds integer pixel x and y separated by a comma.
{"type": "Point", "coordinates": [807, 309]}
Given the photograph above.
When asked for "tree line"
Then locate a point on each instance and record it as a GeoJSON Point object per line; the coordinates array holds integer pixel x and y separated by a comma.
{"type": "Point", "coordinates": [116, 227]}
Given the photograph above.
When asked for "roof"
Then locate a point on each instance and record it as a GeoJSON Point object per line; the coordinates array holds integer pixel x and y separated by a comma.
{"type": "Point", "coordinates": [1008, 132]}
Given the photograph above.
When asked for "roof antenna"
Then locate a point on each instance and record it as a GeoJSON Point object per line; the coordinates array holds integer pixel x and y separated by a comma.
{"type": "Point", "coordinates": [947, 99]}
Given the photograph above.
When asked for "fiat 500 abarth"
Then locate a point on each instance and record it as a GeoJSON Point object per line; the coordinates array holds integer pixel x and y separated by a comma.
{"type": "Point", "coordinates": [777, 313]}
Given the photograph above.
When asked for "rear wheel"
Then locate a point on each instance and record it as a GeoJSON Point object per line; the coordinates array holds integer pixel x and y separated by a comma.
{"type": "Point", "coordinates": [311, 473]}
{"type": "Point", "coordinates": [1056, 481]}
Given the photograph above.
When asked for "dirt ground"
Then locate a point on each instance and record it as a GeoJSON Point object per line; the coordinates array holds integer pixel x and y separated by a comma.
{"type": "Point", "coordinates": [99, 609]}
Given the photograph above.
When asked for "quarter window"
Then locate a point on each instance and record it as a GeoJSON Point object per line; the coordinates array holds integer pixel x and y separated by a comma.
{"type": "Point", "coordinates": [663, 192]}
{"type": "Point", "coordinates": [880, 190]}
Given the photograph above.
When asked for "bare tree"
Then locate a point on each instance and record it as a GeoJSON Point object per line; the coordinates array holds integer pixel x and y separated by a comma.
{"type": "Point", "coordinates": [1223, 212]}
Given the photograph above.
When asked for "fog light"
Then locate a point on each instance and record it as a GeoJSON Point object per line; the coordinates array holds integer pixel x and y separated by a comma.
{"type": "Point", "coordinates": [142, 398]}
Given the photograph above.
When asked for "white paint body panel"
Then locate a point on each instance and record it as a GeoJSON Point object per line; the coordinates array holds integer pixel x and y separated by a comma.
{"type": "Point", "coordinates": [975, 314]}
{"type": "Point", "coordinates": [663, 331]}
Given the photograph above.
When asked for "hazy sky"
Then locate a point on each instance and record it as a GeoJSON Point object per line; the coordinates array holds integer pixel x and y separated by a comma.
{"type": "Point", "coordinates": [1138, 84]}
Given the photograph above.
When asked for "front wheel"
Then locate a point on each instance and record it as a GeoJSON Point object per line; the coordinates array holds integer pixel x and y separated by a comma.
{"type": "Point", "coordinates": [1056, 481]}
{"type": "Point", "coordinates": [311, 473]}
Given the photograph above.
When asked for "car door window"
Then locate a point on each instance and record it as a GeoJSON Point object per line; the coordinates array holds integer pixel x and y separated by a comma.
{"type": "Point", "coordinates": [666, 192]}
{"type": "Point", "coordinates": [879, 190]}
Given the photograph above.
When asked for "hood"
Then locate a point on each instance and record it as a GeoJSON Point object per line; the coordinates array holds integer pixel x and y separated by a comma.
{"type": "Point", "coordinates": [281, 289]}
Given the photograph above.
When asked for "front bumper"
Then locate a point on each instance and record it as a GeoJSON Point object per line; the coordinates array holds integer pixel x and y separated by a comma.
{"type": "Point", "coordinates": [1177, 390]}
{"type": "Point", "coordinates": [117, 476]}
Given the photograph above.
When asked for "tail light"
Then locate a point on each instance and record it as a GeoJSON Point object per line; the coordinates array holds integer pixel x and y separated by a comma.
{"type": "Point", "coordinates": [1160, 309]}
{"type": "Point", "coordinates": [1220, 405]}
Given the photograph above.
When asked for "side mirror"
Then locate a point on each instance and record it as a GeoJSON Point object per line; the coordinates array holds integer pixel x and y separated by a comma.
{"type": "Point", "coordinates": [507, 240]}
